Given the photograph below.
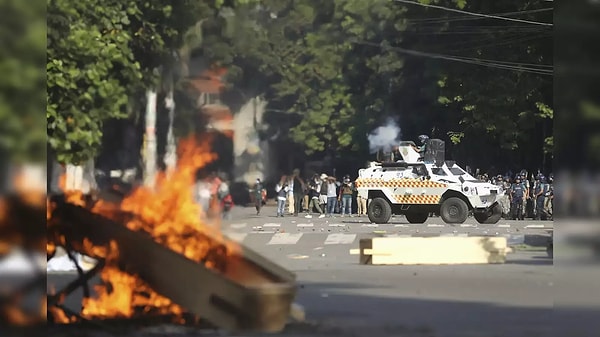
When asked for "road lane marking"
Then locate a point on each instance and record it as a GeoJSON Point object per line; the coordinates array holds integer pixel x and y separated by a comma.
{"type": "Point", "coordinates": [336, 225]}
{"type": "Point", "coordinates": [340, 239]}
{"type": "Point", "coordinates": [272, 225]}
{"type": "Point", "coordinates": [535, 226]}
{"type": "Point", "coordinates": [237, 225]}
{"type": "Point", "coordinates": [285, 239]}
{"type": "Point", "coordinates": [504, 226]}
{"type": "Point", "coordinates": [467, 225]}
{"type": "Point", "coordinates": [304, 225]}
{"type": "Point", "coordinates": [370, 225]}
{"type": "Point", "coordinates": [435, 225]}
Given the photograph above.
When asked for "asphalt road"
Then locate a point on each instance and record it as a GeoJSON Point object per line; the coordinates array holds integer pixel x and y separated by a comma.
{"type": "Point", "coordinates": [343, 298]}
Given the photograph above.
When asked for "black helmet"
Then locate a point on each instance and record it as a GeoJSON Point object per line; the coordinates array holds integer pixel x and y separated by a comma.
{"type": "Point", "coordinates": [423, 138]}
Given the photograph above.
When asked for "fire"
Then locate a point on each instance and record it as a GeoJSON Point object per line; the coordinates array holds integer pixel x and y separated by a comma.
{"type": "Point", "coordinates": [125, 294]}
{"type": "Point", "coordinates": [171, 215]}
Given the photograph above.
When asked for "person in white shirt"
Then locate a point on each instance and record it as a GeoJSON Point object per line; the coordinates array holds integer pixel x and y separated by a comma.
{"type": "Point", "coordinates": [282, 189]}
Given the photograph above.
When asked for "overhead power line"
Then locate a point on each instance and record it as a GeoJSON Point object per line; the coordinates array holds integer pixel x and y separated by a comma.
{"type": "Point", "coordinates": [470, 17]}
{"type": "Point", "coordinates": [515, 66]}
{"type": "Point", "coordinates": [475, 14]}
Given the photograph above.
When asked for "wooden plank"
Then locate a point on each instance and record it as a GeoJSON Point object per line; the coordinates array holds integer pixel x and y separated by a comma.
{"type": "Point", "coordinates": [433, 250]}
{"type": "Point", "coordinates": [252, 294]}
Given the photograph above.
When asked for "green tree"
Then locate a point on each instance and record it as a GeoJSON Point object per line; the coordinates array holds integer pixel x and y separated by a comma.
{"type": "Point", "coordinates": [101, 56]}
{"type": "Point", "coordinates": [21, 85]}
{"type": "Point", "coordinates": [493, 83]}
{"type": "Point", "coordinates": [337, 69]}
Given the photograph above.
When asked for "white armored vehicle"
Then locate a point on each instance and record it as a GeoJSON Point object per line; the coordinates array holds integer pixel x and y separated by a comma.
{"type": "Point", "coordinates": [418, 187]}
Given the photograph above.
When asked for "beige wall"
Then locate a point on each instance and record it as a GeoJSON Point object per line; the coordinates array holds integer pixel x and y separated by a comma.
{"type": "Point", "coordinates": [251, 156]}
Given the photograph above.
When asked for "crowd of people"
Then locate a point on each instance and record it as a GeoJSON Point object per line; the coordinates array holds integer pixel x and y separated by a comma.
{"type": "Point", "coordinates": [320, 195]}
{"type": "Point", "coordinates": [527, 195]}
{"type": "Point", "coordinates": [213, 195]}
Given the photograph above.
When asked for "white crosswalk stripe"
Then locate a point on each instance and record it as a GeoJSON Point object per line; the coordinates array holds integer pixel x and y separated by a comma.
{"type": "Point", "coordinates": [370, 225]}
{"type": "Point", "coordinates": [237, 225]}
{"type": "Point", "coordinates": [435, 225]}
{"type": "Point", "coordinates": [303, 225]}
{"type": "Point", "coordinates": [534, 226]}
{"type": "Point", "coordinates": [336, 225]}
{"type": "Point", "coordinates": [340, 239]}
{"type": "Point", "coordinates": [272, 225]}
{"type": "Point", "coordinates": [285, 239]}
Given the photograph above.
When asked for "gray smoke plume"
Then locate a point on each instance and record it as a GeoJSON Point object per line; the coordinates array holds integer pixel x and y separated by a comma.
{"type": "Point", "coordinates": [385, 136]}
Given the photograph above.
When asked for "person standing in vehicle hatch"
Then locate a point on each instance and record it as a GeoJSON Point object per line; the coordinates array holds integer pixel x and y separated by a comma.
{"type": "Point", "coordinates": [423, 139]}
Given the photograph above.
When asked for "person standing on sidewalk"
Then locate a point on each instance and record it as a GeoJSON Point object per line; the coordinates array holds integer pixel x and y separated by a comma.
{"type": "Point", "coordinates": [282, 194]}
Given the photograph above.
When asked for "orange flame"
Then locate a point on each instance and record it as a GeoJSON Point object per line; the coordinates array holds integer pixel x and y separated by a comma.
{"type": "Point", "coordinates": [171, 215]}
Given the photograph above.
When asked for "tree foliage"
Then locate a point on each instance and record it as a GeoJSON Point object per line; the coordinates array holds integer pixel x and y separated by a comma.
{"type": "Point", "coordinates": [101, 54]}
{"type": "Point", "coordinates": [338, 69]}
{"type": "Point", "coordinates": [21, 85]}
{"type": "Point", "coordinates": [331, 71]}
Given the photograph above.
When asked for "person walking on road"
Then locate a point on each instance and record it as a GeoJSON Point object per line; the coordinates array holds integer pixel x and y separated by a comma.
{"type": "Point", "coordinates": [282, 191]}
{"type": "Point", "coordinates": [314, 188]}
{"type": "Point", "coordinates": [323, 192]}
{"type": "Point", "coordinates": [258, 195]}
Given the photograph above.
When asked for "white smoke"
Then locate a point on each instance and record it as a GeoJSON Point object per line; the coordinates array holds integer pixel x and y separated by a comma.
{"type": "Point", "coordinates": [385, 136]}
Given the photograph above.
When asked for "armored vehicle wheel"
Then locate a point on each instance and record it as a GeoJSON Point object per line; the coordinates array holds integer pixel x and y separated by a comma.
{"type": "Point", "coordinates": [489, 217]}
{"type": "Point", "coordinates": [454, 210]}
{"type": "Point", "coordinates": [379, 211]}
{"type": "Point", "coordinates": [416, 217]}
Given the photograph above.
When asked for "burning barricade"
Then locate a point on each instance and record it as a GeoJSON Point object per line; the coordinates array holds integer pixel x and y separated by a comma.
{"type": "Point", "coordinates": [157, 256]}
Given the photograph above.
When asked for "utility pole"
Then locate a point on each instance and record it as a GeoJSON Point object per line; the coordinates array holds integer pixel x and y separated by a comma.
{"type": "Point", "coordinates": [150, 140]}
